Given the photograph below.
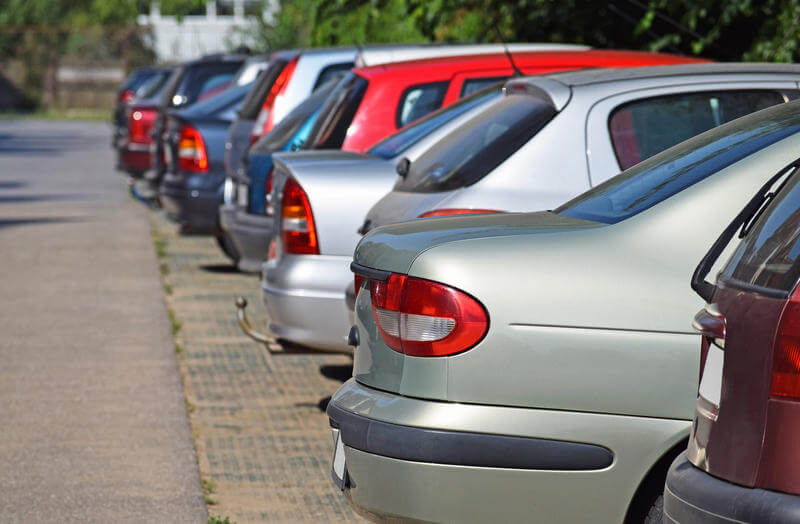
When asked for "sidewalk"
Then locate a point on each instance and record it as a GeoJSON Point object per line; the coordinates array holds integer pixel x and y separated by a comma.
{"type": "Point", "coordinates": [94, 418]}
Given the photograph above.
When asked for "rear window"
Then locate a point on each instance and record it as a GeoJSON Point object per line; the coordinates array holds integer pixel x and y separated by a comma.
{"type": "Point", "coordinates": [330, 72]}
{"type": "Point", "coordinates": [337, 113]}
{"type": "Point", "coordinates": [661, 176]}
{"type": "Point", "coordinates": [419, 100]}
{"type": "Point", "coordinates": [643, 128]}
{"type": "Point", "coordinates": [476, 84]}
{"type": "Point", "coordinates": [199, 78]}
{"type": "Point", "coordinates": [411, 134]}
{"type": "Point", "coordinates": [225, 101]}
{"type": "Point", "coordinates": [292, 131]}
{"type": "Point", "coordinates": [473, 150]}
{"type": "Point", "coordinates": [769, 256]}
{"type": "Point", "coordinates": [255, 98]}
{"type": "Point", "coordinates": [153, 85]}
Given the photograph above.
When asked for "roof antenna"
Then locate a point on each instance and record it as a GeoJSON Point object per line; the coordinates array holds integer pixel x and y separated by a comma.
{"type": "Point", "coordinates": [517, 72]}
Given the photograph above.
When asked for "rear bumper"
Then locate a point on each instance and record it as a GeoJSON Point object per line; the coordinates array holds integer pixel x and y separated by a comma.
{"type": "Point", "coordinates": [438, 461]}
{"type": "Point", "coordinates": [693, 496]}
{"type": "Point", "coordinates": [193, 200]}
{"type": "Point", "coordinates": [250, 234]}
{"type": "Point", "coordinates": [305, 300]}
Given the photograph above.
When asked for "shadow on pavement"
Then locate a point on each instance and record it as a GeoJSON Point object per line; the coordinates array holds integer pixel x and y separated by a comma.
{"type": "Point", "coordinates": [16, 222]}
{"type": "Point", "coordinates": [219, 268]}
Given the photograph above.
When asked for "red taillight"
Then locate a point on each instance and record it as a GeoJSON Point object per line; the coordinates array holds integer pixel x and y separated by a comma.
{"type": "Point", "coordinates": [265, 120]}
{"type": "Point", "coordinates": [422, 318]}
{"type": "Point", "coordinates": [192, 150]}
{"type": "Point", "coordinates": [786, 356]}
{"type": "Point", "coordinates": [126, 96]}
{"type": "Point", "coordinates": [297, 222]}
{"type": "Point", "coordinates": [456, 211]}
{"type": "Point", "coordinates": [358, 282]}
{"type": "Point", "coordinates": [140, 123]}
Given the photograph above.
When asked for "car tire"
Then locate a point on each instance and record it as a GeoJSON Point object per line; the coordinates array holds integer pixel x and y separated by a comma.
{"type": "Point", "coordinates": [656, 513]}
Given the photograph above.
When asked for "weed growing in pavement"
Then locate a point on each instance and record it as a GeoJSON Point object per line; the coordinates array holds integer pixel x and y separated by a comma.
{"type": "Point", "coordinates": [179, 350]}
{"type": "Point", "coordinates": [164, 268]}
{"type": "Point", "coordinates": [209, 486]}
{"type": "Point", "coordinates": [213, 519]}
{"type": "Point", "coordinates": [161, 245]}
{"type": "Point", "coordinates": [190, 407]}
{"type": "Point", "coordinates": [167, 288]}
{"type": "Point", "coordinates": [174, 322]}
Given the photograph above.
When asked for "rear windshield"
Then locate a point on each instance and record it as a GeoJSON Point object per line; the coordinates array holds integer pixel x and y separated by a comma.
{"type": "Point", "coordinates": [413, 133]}
{"type": "Point", "coordinates": [769, 256]}
{"type": "Point", "coordinates": [153, 86]}
{"type": "Point", "coordinates": [296, 126]}
{"type": "Point", "coordinates": [255, 98]}
{"type": "Point", "coordinates": [473, 150]}
{"type": "Point", "coordinates": [643, 128]}
{"type": "Point", "coordinates": [661, 176]}
{"type": "Point", "coordinates": [224, 101]}
{"type": "Point", "coordinates": [337, 113]}
{"type": "Point", "coordinates": [199, 78]}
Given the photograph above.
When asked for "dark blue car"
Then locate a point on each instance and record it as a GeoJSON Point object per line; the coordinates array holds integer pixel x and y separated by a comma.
{"type": "Point", "coordinates": [194, 151]}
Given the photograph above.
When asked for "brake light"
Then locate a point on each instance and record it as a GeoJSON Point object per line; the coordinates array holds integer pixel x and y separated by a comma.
{"type": "Point", "coordinates": [786, 353]}
{"type": "Point", "coordinates": [423, 318]}
{"type": "Point", "coordinates": [265, 121]}
{"type": "Point", "coordinates": [358, 282]}
{"type": "Point", "coordinates": [140, 123]}
{"type": "Point", "coordinates": [192, 150]}
{"type": "Point", "coordinates": [126, 96]}
{"type": "Point", "coordinates": [297, 222]}
{"type": "Point", "coordinates": [456, 211]}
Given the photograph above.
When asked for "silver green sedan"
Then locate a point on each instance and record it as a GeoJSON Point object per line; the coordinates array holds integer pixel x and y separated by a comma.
{"type": "Point", "coordinates": [542, 366]}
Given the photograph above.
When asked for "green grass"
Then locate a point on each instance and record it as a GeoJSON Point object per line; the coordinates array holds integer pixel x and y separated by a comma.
{"type": "Point", "coordinates": [174, 322]}
{"type": "Point", "coordinates": [60, 114]}
{"type": "Point", "coordinates": [213, 519]}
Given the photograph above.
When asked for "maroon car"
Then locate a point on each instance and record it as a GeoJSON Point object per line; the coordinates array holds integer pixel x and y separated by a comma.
{"type": "Point", "coordinates": [743, 461]}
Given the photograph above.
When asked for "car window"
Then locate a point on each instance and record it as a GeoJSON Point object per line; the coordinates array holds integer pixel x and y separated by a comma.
{"type": "Point", "coordinates": [202, 77]}
{"type": "Point", "coordinates": [667, 173]}
{"type": "Point", "coordinates": [474, 149]}
{"type": "Point", "coordinates": [330, 72]}
{"type": "Point", "coordinates": [255, 98]}
{"type": "Point", "coordinates": [227, 100]}
{"type": "Point", "coordinates": [769, 256]}
{"type": "Point", "coordinates": [417, 101]}
{"type": "Point", "coordinates": [472, 85]}
{"type": "Point", "coordinates": [293, 130]}
{"type": "Point", "coordinates": [153, 85]}
{"type": "Point", "coordinates": [643, 128]}
{"type": "Point", "coordinates": [397, 143]}
{"type": "Point", "coordinates": [337, 113]}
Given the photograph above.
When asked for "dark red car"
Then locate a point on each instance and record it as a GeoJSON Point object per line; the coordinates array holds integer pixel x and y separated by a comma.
{"type": "Point", "coordinates": [743, 461]}
{"type": "Point", "coordinates": [372, 103]}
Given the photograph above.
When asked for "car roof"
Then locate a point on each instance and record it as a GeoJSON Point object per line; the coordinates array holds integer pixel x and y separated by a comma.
{"type": "Point", "coordinates": [598, 76]}
{"type": "Point", "coordinates": [384, 53]}
{"type": "Point", "coordinates": [581, 58]}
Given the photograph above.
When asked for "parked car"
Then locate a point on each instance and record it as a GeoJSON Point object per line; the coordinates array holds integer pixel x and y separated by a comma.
{"type": "Point", "coordinates": [194, 149]}
{"type": "Point", "coordinates": [245, 224]}
{"type": "Point", "coordinates": [133, 142]}
{"type": "Point", "coordinates": [295, 75]}
{"type": "Point", "coordinates": [539, 366]}
{"type": "Point", "coordinates": [187, 83]}
{"type": "Point", "coordinates": [742, 464]}
{"type": "Point", "coordinates": [520, 155]}
{"type": "Point", "coordinates": [127, 92]}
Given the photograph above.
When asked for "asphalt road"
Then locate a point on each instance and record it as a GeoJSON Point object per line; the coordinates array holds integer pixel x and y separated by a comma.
{"type": "Point", "coordinates": [93, 423]}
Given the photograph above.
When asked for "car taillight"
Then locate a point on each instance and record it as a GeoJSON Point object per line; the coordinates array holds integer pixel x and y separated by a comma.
{"type": "Point", "coordinates": [192, 150]}
{"type": "Point", "coordinates": [456, 211]}
{"type": "Point", "coordinates": [423, 318]}
{"type": "Point", "coordinates": [298, 232]}
{"type": "Point", "coordinates": [786, 355]}
{"type": "Point", "coordinates": [265, 120]}
{"type": "Point", "coordinates": [140, 123]}
{"type": "Point", "coordinates": [358, 282]}
{"type": "Point", "coordinates": [126, 96]}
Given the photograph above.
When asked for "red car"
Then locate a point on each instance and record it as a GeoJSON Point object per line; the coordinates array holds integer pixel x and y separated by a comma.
{"type": "Point", "coordinates": [372, 103]}
{"type": "Point", "coordinates": [743, 461]}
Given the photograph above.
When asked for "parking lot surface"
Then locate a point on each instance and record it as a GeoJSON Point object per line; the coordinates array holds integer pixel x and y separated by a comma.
{"type": "Point", "coordinates": [94, 418]}
{"type": "Point", "coordinates": [263, 437]}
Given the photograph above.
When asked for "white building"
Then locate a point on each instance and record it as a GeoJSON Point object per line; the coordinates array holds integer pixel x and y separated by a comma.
{"type": "Point", "coordinates": [223, 26]}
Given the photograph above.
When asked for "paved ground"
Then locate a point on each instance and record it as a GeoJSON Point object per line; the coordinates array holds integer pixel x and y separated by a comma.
{"type": "Point", "coordinates": [262, 438]}
{"type": "Point", "coordinates": [94, 420]}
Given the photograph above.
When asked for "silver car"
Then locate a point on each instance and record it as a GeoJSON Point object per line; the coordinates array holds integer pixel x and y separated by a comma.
{"type": "Point", "coordinates": [607, 121]}
{"type": "Point", "coordinates": [541, 367]}
{"type": "Point", "coordinates": [520, 154]}
{"type": "Point", "coordinates": [304, 294]}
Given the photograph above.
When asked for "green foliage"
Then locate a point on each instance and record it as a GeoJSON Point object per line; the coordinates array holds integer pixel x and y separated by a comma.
{"type": "Point", "coordinates": [342, 22]}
